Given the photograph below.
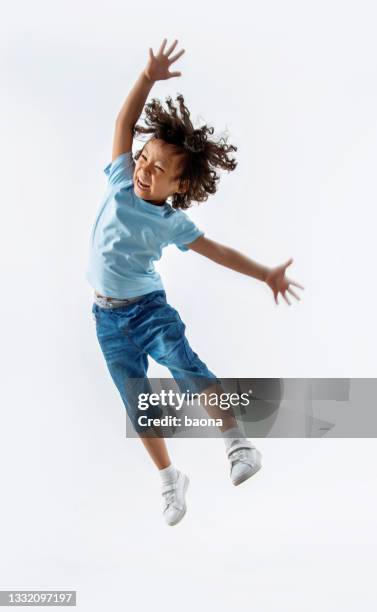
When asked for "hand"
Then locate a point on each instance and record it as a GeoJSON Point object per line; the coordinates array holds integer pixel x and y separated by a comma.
{"type": "Point", "coordinates": [158, 66]}
{"type": "Point", "coordinates": [277, 280]}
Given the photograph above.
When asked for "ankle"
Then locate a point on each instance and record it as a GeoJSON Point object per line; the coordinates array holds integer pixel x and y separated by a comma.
{"type": "Point", "coordinates": [169, 474]}
{"type": "Point", "coordinates": [232, 434]}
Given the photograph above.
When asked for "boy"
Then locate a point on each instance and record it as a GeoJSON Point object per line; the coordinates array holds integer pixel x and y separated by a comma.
{"type": "Point", "coordinates": [135, 222]}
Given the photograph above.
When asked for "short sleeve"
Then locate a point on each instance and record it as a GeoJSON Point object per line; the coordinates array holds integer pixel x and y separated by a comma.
{"type": "Point", "coordinates": [120, 169]}
{"type": "Point", "coordinates": [185, 231]}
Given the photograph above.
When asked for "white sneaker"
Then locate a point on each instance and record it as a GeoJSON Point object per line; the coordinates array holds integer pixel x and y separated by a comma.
{"type": "Point", "coordinates": [245, 461]}
{"type": "Point", "coordinates": [174, 498]}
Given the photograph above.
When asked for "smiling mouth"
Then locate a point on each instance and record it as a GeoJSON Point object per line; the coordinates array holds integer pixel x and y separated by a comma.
{"type": "Point", "coordinates": [141, 185]}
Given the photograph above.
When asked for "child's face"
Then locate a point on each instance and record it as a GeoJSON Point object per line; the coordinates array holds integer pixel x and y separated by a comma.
{"type": "Point", "coordinates": [157, 168]}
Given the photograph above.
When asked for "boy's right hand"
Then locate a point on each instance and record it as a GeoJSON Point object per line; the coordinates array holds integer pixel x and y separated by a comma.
{"type": "Point", "coordinates": [158, 66]}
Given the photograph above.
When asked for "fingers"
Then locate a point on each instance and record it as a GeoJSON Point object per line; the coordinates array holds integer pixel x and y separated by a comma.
{"type": "Point", "coordinates": [163, 44]}
{"type": "Point", "coordinates": [151, 53]}
{"type": "Point", "coordinates": [293, 293]}
{"type": "Point", "coordinates": [291, 282]}
{"type": "Point", "coordinates": [171, 48]}
{"type": "Point", "coordinates": [176, 56]}
{"type": "Point", "coordinates": [276, 293]}
{"type": "Point", "coordinates": [169, 51]}
{"type": "Point", "coordinates": [174, 74]}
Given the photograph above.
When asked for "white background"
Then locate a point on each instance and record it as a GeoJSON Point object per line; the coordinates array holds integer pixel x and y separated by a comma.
{"type": "Point", "coordinates": [295, 84]}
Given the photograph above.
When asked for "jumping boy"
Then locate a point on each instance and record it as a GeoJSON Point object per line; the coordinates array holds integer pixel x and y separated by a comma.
{"type": "Point", "coordinates": [134, 223]}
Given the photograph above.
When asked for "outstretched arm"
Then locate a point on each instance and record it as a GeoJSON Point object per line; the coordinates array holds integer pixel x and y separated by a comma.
{"type": "Point", "coordinates": [230, 258]}
{"type": "Point", "coordinates": [157, 69]}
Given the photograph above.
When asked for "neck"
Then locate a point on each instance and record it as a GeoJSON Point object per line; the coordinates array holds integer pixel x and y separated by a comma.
{"type": "Point", "coordinates": [156, 203]}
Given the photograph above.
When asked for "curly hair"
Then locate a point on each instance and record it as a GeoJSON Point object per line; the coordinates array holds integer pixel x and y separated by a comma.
{"type": "Point", "coordinates": [201, 154]}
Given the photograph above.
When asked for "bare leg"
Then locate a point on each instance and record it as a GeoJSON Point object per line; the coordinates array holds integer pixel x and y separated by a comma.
{"type": "Point", "coordinates": [227, 416]}
{"type": "Point", "coordinates": [158, 451]}
{"type": "Point", "coordinates": [156, 445]}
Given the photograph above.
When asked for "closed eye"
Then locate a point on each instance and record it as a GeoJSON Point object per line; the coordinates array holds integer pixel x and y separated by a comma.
{"type": "Point", "coordinates": [143, 156]}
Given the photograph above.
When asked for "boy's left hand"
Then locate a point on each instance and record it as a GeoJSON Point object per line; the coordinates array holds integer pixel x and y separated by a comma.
{"type": "Point", "coordinates": [158, 65]}
{"type": "Point", "coordinates": [278, 282]}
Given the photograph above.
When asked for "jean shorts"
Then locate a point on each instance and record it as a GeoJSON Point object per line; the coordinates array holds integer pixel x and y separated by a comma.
{"type": "Point", "coordinates": [127, 334]}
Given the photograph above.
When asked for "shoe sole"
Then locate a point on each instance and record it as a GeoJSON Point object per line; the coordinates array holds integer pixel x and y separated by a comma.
{"type": "Point", "coordinates": [185, 486]}
{"type": "Point", "coordinates": [252, 472]}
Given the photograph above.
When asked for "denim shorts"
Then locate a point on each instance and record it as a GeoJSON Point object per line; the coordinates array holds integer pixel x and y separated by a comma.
{"type": "Point", "coordinates": [149, 326]}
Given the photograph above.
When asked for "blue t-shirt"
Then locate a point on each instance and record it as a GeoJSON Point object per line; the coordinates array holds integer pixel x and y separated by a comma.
{"type": "Point", "coordinates": [129, 234]}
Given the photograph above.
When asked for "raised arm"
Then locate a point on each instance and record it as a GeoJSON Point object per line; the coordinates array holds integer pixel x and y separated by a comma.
{"type": "Point", "coordinates": [157, 69]}
{"type": "Point", "coordinates": [129, 114]}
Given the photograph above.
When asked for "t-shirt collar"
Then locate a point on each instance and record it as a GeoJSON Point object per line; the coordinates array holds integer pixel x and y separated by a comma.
{"type": "Point", "coordinates": [153, 208]}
